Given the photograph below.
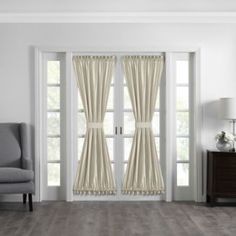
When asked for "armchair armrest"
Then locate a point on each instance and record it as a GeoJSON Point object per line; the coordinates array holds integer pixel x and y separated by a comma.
{"type": "Point", "coordinates": [25, 146]}
{"type": "Point", "coordinates": [27, 164]}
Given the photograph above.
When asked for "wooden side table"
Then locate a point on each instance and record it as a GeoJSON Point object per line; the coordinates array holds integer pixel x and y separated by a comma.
{"type": "Point", "coordinates": [221, 176]}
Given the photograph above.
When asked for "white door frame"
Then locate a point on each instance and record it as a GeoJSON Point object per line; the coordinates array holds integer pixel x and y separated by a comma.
{"type": "Point", "coordinates": [70, 150]}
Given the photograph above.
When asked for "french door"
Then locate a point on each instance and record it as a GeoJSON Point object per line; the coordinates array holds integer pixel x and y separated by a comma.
{"type": "Point", "coordinates": [173, 128]}
{"type": "Point", "coordinates": [119, 127]}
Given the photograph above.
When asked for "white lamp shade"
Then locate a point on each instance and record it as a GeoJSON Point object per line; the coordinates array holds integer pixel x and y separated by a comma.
{"type": "Point", "coordinates": [228, 108]}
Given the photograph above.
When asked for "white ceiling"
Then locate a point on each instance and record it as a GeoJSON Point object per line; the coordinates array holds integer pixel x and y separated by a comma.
{"type": "Point", "coordinates": [115, 5]}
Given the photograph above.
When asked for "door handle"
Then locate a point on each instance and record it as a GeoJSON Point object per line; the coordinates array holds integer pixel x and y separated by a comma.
{"type": "Point", "coordinates": [121, 131]}
{"type": "Point", "coordinates": [116, 130]}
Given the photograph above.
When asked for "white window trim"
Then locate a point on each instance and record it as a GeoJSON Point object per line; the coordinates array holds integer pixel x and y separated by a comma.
{"type": "Point", "coordinates": [198, 134]}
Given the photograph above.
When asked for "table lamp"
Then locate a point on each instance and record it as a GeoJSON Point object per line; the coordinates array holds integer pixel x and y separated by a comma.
{"type": "Point", "coordinates": [228, 111]}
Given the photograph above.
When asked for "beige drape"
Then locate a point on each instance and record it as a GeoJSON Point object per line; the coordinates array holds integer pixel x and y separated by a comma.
{"type": "Point", "coordinates": [94, 174]}
{"type": "Point", "coordinates": [143, 174]}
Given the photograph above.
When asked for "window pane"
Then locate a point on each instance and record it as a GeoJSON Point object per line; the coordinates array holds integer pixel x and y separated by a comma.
{"type": "Point", "coordinates": [53, 97]}
{"type": "Point", "coordinates": [156, 123]}
{"type": "Point", "coordinates": [110, 145]}
{"type": "Point", "coordinates": [53, 149]}
{"type": "Point", "coordinates": [182, 99]}
{"type": "Point", "coordinates": [80, 147]}
{"type": "Point", "coordinates": [110, 102]}
{"type": "Point", "coordinates": [53, 72]}
{"type": "Point", "coordinates": [112, 80]}
{"type": "Point", "coordinates": [157, 141]}
{"type": "Point", "coordinates": [108, 123]}
{"type": "Point", "coordinates": [81, 123]}
{"type": "Point", "coordinates": [127, 101]}
{"type": "Point", "coordinates": [80, 105]}
{"type": "Point", "coordinates": [113, 167]}
{"type": "Point", "coordinates": [125, 167]}
{"type": "Point", "coordinates": [129, 123]}
{"type": "Point", "coordinates": [182, 72]}
{"type": "Point", "coordinates": [182, 174]}
{"type": "Point", "coordinates": [53, 174]}
{"type": "Point", "coordinates": [157, 105]}
{"type": "Point", "coordinates": [183, 149]}
{"type": "Point", "coordinates": [182, 123]}
{"type": "Point", "coordinates": [124, 80]}
{"type": "Point", "coordinates": [127, 147]}
{"type": "Point", "coordinates": [53, 123]}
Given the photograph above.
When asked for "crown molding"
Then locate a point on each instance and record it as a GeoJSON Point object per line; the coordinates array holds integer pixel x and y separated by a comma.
{"type": "Point", "coordinates": [118, 17]}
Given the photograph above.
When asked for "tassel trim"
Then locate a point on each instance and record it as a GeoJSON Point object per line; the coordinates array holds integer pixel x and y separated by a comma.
{"type": "Point", "coordinates": [143, 192]}
{"type": "Point", "coordinates": [95, 192]}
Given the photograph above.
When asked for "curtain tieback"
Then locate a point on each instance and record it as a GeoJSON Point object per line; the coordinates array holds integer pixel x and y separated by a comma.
{"type": "Point", "coordinates": [94, 125]}
{"type": "Point", "coordinates": [143, 124]}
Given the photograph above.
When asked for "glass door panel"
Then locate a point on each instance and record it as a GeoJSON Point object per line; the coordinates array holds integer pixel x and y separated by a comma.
{"type": "Point", "coordinates": [52, 171]}
{"type": "Point", "coordinates": [53, 123]}
{"type": "Point", "coordinates": [183, 169]}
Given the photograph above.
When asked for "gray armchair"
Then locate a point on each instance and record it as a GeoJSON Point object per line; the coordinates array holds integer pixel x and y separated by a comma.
{"type": "Point", "coordinates": [16, 169]}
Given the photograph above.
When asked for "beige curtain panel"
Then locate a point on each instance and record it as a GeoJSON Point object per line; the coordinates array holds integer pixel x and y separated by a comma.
{"type": "Point", "coordinates": [94, 75]}
{"type": "Point", "coordinates": [143, 174]}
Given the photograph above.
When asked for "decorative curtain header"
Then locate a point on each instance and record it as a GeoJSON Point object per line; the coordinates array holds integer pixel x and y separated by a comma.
{"type": "Point", "coordinates": [94, 57]}
{"type": "Point", "coordinates": [145, 56]}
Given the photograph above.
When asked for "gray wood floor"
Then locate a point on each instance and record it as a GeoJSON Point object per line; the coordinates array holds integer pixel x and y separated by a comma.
{"type": "Point", "coordinates": [116, 219]}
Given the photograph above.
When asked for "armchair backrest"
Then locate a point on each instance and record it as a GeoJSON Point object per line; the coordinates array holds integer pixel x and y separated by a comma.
{"type": "Point", "coordinates": [10, 145]}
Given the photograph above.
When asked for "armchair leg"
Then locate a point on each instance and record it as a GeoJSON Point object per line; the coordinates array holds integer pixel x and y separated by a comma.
{"type": "Point", "coordinates": [24, 198]}
{"type": "Point", "coordinates": [30, 202]}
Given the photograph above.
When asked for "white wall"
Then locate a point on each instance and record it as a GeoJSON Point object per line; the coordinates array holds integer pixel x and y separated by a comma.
{"type": "Point", "coordinates": [116, 5]}
{"type": "Point", "coordinates": [17, 43]}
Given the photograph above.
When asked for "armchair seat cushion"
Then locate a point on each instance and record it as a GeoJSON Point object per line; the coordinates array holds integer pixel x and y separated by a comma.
{"type": "Point", "coordinates": [15, 175]}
